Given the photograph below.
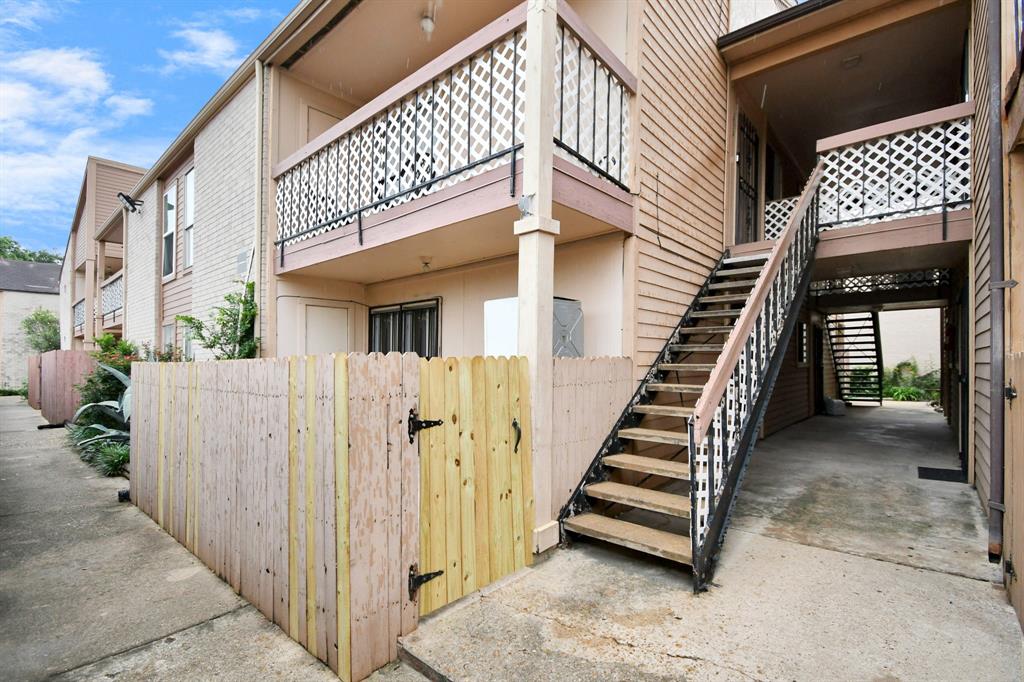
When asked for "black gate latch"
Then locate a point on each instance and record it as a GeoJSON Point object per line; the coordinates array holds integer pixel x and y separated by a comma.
{"type": "Point", "coordinates": [416, 580]}
{"type": "Point", "coordinates": [416, 424]}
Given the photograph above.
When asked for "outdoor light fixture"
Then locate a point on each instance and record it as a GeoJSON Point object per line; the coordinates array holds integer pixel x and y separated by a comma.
{"type": "Point", "coordinates": [427, 22]}
{"type": "Point", "coordinates": [131, 204]}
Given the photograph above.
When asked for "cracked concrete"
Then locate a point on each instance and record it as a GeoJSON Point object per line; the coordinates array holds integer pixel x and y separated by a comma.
{"type": "Point", "coordinates": [92, 589]}
{"type": "Point", "coordinates": [840, 564]}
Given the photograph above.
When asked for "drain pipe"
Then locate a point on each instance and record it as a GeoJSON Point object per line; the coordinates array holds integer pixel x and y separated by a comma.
{"type": "Point", "coordinates": [997, 286]}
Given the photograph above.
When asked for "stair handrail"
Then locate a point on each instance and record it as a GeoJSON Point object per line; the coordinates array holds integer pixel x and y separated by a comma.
{"type": "Point", "coordinates": [729, 357]}
{"type": "Point", "coordinates": [724, 424]}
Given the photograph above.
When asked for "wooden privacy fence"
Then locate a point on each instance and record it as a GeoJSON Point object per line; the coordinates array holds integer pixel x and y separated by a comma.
{"type": "Point", "coordinates": [52, 378]}
{"type": "Point", "coordinates": [587, 397]}
{"type": "Point", "coordinates": [297, 482]}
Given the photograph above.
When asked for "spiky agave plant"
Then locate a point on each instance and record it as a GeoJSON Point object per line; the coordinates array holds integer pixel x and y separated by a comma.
{"type": "Point", "coordinates": [120, 411]}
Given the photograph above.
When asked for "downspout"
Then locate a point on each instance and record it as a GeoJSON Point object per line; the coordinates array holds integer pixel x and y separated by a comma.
{"type": "Point", "coordinates": [996, 285]}
{"type": "Point", "coordinates": [257, 240]}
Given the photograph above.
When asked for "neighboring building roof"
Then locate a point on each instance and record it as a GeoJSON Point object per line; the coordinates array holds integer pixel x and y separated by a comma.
{"type": "Point", "coordinates": [36, 278]}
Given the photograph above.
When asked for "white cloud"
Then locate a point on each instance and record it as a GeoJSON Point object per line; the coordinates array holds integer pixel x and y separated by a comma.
{"type": "Point", "coordinates": [77, 73]}
{"type": "Point", "coordinates": [126, 106]}
{"type": "Point", "coordinates": [25, 14]}
{"type": "Point", "coordinates": [205, 48]}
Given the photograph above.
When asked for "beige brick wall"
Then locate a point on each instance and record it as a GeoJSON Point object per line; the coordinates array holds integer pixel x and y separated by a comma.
{"type": "Point", "coordinates": [142, 244]}
{"type": "Point", "coordinates": [225, 161]}
{"type": "Point", "coordinates": [14, 307]}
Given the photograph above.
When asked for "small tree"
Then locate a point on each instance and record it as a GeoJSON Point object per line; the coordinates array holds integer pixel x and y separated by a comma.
{"type": "Point", "coordinates": [12, 250]}
{"type": "Point", "coordinates": [231, 333]}
{"type": "Point", "coordinates": [42, 330]}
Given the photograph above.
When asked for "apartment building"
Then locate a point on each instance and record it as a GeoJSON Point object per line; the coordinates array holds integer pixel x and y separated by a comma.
{"type": "Point", "coordinates": [726, 193]}
{"type": "Point", "coordinates": [91, 282]}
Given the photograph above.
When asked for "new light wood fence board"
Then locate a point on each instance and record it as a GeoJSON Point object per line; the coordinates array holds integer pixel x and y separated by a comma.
{"type": "Point", "coordinates": [295, 481]}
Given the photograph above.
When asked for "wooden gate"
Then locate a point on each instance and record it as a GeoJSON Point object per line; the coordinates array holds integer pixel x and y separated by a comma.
{"type": "Point", "coordinates": [476, 480]}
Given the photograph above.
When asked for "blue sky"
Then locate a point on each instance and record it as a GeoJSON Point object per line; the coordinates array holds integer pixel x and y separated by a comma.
{"type": "Point", "coordinates": [110, 78]}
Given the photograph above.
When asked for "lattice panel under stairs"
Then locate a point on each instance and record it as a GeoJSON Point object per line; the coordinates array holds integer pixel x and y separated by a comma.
{"type": "Point", "coordinates": [914, 172]}
{"type": "Point", "coordinates": [112, 295]}
{"type": "Point", "coordinates": [856, 347]}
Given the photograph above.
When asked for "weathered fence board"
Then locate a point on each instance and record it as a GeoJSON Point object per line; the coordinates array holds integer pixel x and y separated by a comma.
{"type": "Point", "coordinates": [588, 395]}
{"type": "Point", "coordinates": [34, 369]}
{"type": "Point", "coordinates": [1014, 497]}
{"type": "Point", "coordinates": [296, 482]}
{"type": "Point", "coordinates": [476, 482]}
{"type": "Point", "coordinates": [59, 372]}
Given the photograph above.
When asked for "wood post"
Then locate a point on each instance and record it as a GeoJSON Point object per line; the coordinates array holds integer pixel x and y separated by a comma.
{"type": "Point", "coordinates": [536, 231]}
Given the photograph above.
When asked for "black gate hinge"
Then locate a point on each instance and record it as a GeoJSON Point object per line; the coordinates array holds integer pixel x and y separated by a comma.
{"type": "Point", "coordinates": [416, 580]}
{"type": "Point", "coordinates": [1009, 569]}
{"type": "Point", "coordinates": [1009, 392]}
{"type": "Point", "coordinates": [416, 424]}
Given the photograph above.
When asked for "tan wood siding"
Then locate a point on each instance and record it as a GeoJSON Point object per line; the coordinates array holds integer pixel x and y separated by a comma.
{"type": "Point", "coordinates": [109, 181]}
{"type": "Point", "coordinates": [680, 163]}
{"type": "Point", "coordinates": [793, 397]}
{"type": "Point", "coordinates": [980, 206]}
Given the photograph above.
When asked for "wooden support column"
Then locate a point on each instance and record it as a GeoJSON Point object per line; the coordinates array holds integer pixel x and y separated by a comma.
{"type": "Point", "coordinates": [536, 231]}
{"type": "Point", "coordinates": [101, 274]}
{"type": "Point", "coordinates": [88, 326]}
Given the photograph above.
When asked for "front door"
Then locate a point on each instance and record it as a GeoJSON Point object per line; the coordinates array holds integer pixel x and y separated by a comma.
{"type": "Point", "coordinates": [747, 144]}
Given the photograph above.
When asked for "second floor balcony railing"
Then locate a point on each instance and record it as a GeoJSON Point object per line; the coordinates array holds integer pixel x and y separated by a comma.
{"type": "Point", "coordinates": [112, 295]}
{"type": "Point", "coordinates": [908, 167]}
{"type": "Point", "coordinates": [460, 116]}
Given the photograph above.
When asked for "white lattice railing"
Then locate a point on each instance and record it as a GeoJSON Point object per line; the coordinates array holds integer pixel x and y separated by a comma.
{"type": "Point", "coordinates": [924, 169]}
{"type": "Point", "coordinates": [112, 294]}
{"type": "Point", "coordinates": [726, 414]}
{"type": "Point", "coordinates": [776, 215]}
{"type": "Point", "coordinates": [78, 314]}
{"type": "Point", "coordinates": [457, 123]}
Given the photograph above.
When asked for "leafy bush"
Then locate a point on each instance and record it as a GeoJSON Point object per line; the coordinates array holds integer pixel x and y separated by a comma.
{"type": "Point", "coordinates": [231, 334]}
{"type": "Point", "coordinates": [12, 250]}
{"type": "Point", "coordinates": [906, 382]}
{"type": "Point", "coordinates": [101, 386]}
{"type": "Point", "coordinates": [22, 391]}
{"type": "Point", "coordinates": [111, 459]}
{"type": "Point", "coordinates": [42, 330]}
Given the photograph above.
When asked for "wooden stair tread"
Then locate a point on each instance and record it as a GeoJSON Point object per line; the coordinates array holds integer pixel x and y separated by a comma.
{"type": "Point", "coordinates": [717, 313]}
{"type": "Point", "coordinates": [734, 284]}
{"type": "Point", "coordinates": [649, 465]}
{"type": "Point", "coordinates": [642, 498]}
{"type": "Point", "coordinates": [749, 258]}
{"type": "Point", "coordinates": [733, 272]}
{"type": "Point", "coordinates": [663, 410]}
{"type": "Point", "coordinates": [656, 436]}
{"type": "Point", "coordinates": [674, 388]}
{"type": "Point", "coordinates": [711, 330]}
{"type": "Point", "coordinates": [695, 347]}
{"type": "Point", "coordinates": [686, 366]}
{"type": "Point", "coordinates": [632, 535]}
{"type": "Point", "coordinates": [724, 298]}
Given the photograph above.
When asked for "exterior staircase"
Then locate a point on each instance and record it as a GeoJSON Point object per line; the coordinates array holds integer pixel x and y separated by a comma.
{"type": "Point", "coordinates": [856, 347]}
{"type": "Point", "coordinates": [659, 418]}
{"type": "Point", "coordinates": [665, 478]}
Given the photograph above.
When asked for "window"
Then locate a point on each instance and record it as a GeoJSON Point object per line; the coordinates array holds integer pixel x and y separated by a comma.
{"type": "Point", "coordinates": [167, 337]}
{"type": "Point", "coordinates": [186, 346]}
{"type": "Point", "coordinates": [406, 328]}
{"type": "Point", "coordinates": [170, 222]}
{"type": "Point", "coordinates": [190, 213]}
{"type": "Point", "coordinates": [801, 351]}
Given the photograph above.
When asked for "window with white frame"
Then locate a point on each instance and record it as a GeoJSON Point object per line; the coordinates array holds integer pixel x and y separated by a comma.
{"type": "Point", "coordinates": [186, 345]}
{"type": "Point", "coordinates": [170, 222]}
{"type": "Point", "coordinates": [190, 214]}
{"type": "Point", "coordinates": [167, 338]}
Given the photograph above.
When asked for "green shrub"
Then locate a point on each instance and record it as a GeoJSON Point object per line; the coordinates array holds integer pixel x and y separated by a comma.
{"type": "Point", "coordinates": [42, 330]}
{"type": "Point", "coordinates": [231, 333]}
{"type": "Point", "coordinates": [905, 382]}
{"type": "Point", "coordinates": [906, 393]}
{"type": "Point", "coordinates": [23, 391]}
{"type": "Point", "coordinates": [100, 385]}
{"type": "Point", "coordinates": [111, 459]}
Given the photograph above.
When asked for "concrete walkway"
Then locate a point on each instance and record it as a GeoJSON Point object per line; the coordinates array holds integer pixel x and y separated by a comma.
{"type": "Point", "coordinates": [93, 589]}
{"type": "Point", "coordinates": [840, 564]}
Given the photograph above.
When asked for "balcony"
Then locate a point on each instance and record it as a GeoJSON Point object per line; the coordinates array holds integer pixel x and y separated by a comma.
{"type": "Point", "coordinates": [915, 166]}
{"type": "Point", "coordinates": [112, 300]}
{"type": "Point", "coordinates": [78, 314]}
{"type": "Point", "coordinates": [439, 150]}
